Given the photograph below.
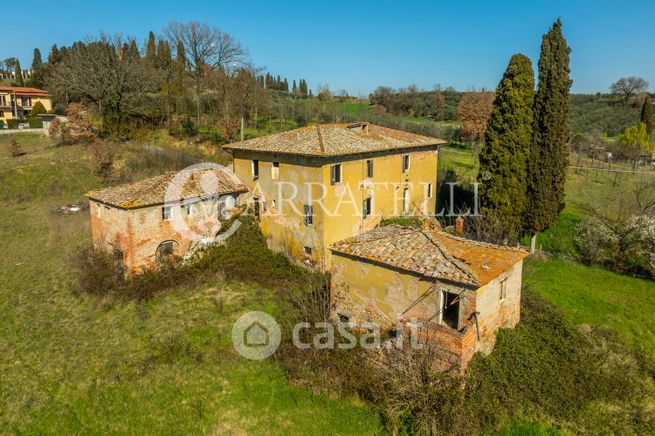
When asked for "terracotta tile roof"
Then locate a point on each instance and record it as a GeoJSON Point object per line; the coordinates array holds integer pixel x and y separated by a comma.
{"type": "Point", "coordinates": [433, 254]}
{"type": "Point", "coordinates": [148, 192]}
{"type": "Point", "coordinates": [335, 140]}
{"type": "Point", "coordinates": [21, 90]}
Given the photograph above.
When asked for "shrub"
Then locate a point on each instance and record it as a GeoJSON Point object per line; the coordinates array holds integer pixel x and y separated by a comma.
{"type": "Point", "coordinates": [13, 123]}
{"type": "Point", "coordinates": [15, 148]}
{"type": "Point", "coordinates": [35, 122]}
{"type": "Point", "coordinates": [2, 124]}
{"type": "Point", "coordinates": [244, 257]}
{"type": "Point", "coordinates": [597, 243]}
{"type": "Point", "coordinates": [38, 109]}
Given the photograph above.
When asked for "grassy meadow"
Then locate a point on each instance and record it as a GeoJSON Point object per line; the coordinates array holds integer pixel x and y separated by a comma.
{"type": "Point", "coordinates": [72, 364]}
{"type": "Point", "coordinates": [76, 364]}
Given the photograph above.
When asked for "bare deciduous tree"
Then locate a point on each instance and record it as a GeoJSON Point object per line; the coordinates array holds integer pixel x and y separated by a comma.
{"type": "Point", "coordinates": [628, 86]}
{"type": "Point", "coordinates": [205, 46]}
{"type": "Point", "coordinates": [474, 110]}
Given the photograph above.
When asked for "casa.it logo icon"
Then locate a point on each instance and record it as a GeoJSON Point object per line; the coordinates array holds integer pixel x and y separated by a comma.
{"type": "Point", "coordinates": [256, 335]}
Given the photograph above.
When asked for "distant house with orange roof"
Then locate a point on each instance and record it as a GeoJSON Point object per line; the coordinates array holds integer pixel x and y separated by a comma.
{"type": "Point", "coordinates": [459, 291]}
{"type": "Point", "coordinates": [16, 102]}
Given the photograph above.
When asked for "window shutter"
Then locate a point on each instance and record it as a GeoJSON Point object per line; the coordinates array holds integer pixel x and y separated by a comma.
{"type": "Point", "coordinates": [333, 177]}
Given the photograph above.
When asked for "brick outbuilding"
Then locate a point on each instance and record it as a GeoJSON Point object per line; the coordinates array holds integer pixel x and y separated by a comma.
{"type": "Point", "coordinates": [144, 222]}
{"type": "Point", "coordinates": [459, 291]}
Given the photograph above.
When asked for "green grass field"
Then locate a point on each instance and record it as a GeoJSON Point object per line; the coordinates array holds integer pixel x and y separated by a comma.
{"type": "Point", "coordinates": [71, 364]}
{"type": "Point", "coordinates": [74, 364]}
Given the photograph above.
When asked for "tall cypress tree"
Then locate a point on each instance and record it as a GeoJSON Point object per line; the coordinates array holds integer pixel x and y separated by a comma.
{"type": "Point", "coordinates": [19, 74]}
{"type": "Point", "coordinates": [38, 78]}
{"type": "Point", "coordinates": [151, 49]}
{"type": "Point", "coordinates": [180, 67]}
{"type": "Point", "coordinates": [647, 114]}
{"type": "Point", "coordinates": [549, 154]}
{"type": "Point", "coordinates": [294, 88]}
{"type": "Point", "coordinates": [503, 159]}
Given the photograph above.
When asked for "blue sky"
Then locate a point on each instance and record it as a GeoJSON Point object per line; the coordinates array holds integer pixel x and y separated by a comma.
{"type": "Point", "coordinates": [358, 45]}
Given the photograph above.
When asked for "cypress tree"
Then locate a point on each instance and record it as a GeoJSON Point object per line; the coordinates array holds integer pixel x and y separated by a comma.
{"type": "Point", "coordinates": [647, 114]}
{"type": "Point", "coordinates": [180, 67]}
{"type": "Point", "coordinates": [38, 78]}
{"type": "Point", "coordinates": [285, 85]}
{"type": "Point", "coordinates": [151, 49]}
{"type": "Point", "coordinates": [549, 154]}
{"type": "Point", "coordinates": [19, 74]}
{"type": "Point", "coordinates": [55, 56]}
{"type": "Point", "coordinates": [36, 60]}
{"type": "Point", "coordinates": [503, 159]}
{"type": "Point", "coordinates": [294, 88]}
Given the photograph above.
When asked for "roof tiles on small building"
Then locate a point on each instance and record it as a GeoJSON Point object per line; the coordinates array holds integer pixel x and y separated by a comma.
{"type": "Point", "coordinates": [326, 140]}
{"type": "Point", "coordinates": [185, 184]}
{"type": "Point", "coordinates": [433, 254]}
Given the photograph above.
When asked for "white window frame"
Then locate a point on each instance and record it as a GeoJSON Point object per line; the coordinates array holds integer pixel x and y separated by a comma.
{"type": "Point", "coordinates": [406, 159]}
{"type": "Point", "coordinates": [166, 212]}
{"type": "Point", "coordinates": [275, 171]}
{"type": "Point", "coordinates": [334, 169]}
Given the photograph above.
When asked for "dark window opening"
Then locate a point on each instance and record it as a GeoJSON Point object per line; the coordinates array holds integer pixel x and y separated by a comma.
{"type": "Point", "coordinates": [335, 174]}
{"type": "Point", "coordinates": [450, 314]}
{"type": "Point", "coordinates": [255, 169]}
{"type": "Point", "coordinates": [344, 319]}
{"type": "Point", "coordinates": [405, 163]}
{"type": "Point", "coordinates": [308, 251]}
{"type": "Point", "coordinates": [166, 213]}
{"type": "Point", "coordinates": [166, 249]}
{"type": "Point", "coordinates": [368, 207]}
{"type": "Point", "coordinates": [309, 215]}
{"type": "Point", "coordinates": [369, 168]}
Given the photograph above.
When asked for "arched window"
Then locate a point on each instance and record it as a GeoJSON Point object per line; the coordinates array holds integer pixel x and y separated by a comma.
{"type": "Point", "coordinates": [167, 249]}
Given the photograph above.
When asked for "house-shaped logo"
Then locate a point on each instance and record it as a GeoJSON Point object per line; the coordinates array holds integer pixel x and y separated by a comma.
{"type": "Point", "coordinates": [256, 335]}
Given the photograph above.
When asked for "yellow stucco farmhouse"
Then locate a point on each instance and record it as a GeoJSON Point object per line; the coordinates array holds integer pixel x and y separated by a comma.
{"type": "Point", "coordinates": [319, 184]}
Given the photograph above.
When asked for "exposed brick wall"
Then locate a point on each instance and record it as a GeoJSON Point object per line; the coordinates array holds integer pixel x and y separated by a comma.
{"type": "Point", "coordinates": [370, 292]}
{"type": "Point", "coordinates": [137, 233]}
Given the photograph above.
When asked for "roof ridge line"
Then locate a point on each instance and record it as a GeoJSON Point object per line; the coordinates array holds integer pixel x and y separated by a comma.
{"type": "Point", "coordinates": [320, 138]}
{"type": "Point", "coordinates": [462, 266]}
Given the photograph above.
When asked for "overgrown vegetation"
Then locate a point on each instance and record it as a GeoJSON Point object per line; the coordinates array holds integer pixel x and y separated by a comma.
{"type": "Point", "coordinates": [545, 369]}
{"type": "Point", "coordinates": [244, 257]}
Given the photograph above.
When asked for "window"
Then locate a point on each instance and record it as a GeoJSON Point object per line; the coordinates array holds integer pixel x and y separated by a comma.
{"type": "Point", "coordinates": [308, 251]}
{"type": "Point", "coordinates": [255, 205]}
{"type": "Point", "coordinates": [367, 208]}
{"type": "Point", "coordinates": [450, 310]}
{"type": "Point", "coordinates": [344, 319]}
{"type": "Point", "coordinates": [406, 200]}
{"type": "Point", "coordinates": [405, 163]}
{"type": "Point", "coordinates": [165, 213]}
{"type": "Point", "coordinates": [2, 113]}
{"type": "Point", "coordinates": [369, 168]}
{"type": "Point", "coordinates": [167, 249]}
{"type": "Point", "coordinates": [429, 189]}
{"type": "Point", "coordinates": [309, 215]}
{"type": "Point", "coordinates": [255, 169]}
{"type": "Point", "coordinates": [335, 174]}
{"type": "Point", "coordinates": [275, 170]}
{"type": "Point", "coordinates": [503, 290]}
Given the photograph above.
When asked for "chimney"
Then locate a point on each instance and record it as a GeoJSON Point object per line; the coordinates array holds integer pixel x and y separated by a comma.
{"type": "Point", "coordinates": [459, 225]}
